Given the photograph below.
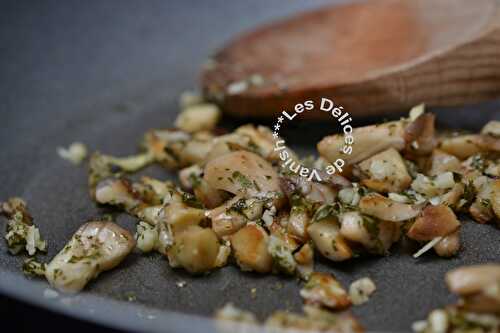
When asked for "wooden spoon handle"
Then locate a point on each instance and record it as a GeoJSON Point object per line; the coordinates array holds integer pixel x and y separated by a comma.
{"type": "Point", "coordinates": [372, 58]}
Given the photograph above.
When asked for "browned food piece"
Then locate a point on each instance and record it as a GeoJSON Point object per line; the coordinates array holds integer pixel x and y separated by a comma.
{"type": "Point", "coordinates": [369, 140]}
{"type": "Point", "coordinates": [436, 221]}
{"type": "Point", "coordinates": [323, 289]}
{"type": "Point", "coordinates": [323, 54]}
{"type": "Point", "coordinates": [196, 249]}
{"type": "Point", "coordinates": [419, 135]}
{"type": "Point", "coordinates": [479, 287]}
{"type": "Point", "coordinates": [375, 235]}
{"type": "Point", "coordinates": [386, 172]}
{"type": "Point", "coordinates": [441, 161]}
{"type": "Point", "coordinates": [315, 319]}
{"type": "Point", "coordinates": [94, 248]}
{"type": "Point", "coordinates": [250, 249]}
{"type": "Point", "coordinates": [386, 209]}
{"type": "Point", "coordinates": [449, 245]}
{"type": "Point", "coordinates": [461, 146]}
{"type": "Point", "coordinates": [327, 239]}
{"type": "Point", "coordinates": [224, 220]}
{"type": "Point", "coordinates": [244, 173]}
{"type": "Point", "coordinates": [471, 279]}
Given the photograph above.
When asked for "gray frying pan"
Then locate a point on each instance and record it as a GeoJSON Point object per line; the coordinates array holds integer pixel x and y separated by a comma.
{"type": "Point", "coordinates": [105, 72]}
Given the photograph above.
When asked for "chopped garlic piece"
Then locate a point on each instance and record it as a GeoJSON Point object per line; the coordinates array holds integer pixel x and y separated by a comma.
{"type": "Point", "coordinates": [75, 153]}
{"type": "Point", "coordinates": [268, 216]}
{"type": "Point", "coordinates": [438, 321]}
{"type": "Point", "coordinates": [360, 290]}
{"type": "Point", "coordinates": [398, 197]}
{"type": "Point", "coordinates": [146, 237]}
{"type": "Point", "coordinates": [349, 196]}
{"type": "Point", "coordinates": [33, 241]}
{"type": "Point", "coordinates": [419, 326]}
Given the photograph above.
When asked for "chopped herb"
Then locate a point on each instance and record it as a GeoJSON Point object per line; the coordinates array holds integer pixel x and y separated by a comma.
{"type": "Point", "coordinates": [486, 203]}
{"type": "Point", "coordinates": [325, 212]}
{"type": "Point", "coordinates": [190, 200]}
{"type": "Point", "coordinates": [194, 179]}
{"type": "Point", "coordinates": [239, 206]}
{"type": "Point", "coordinates": [242, 179]}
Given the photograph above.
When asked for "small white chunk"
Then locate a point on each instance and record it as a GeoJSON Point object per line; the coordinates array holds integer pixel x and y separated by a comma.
{"type": "Point", "coordinates": [75, 153]}
{"type": "Point", "coordinates": [360, 290]}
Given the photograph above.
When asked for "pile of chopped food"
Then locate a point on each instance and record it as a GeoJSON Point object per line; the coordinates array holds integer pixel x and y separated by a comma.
{"type": "Point", "coordinates": [237, 203]}
{"type": "Point", "coordinates": [478, 309]}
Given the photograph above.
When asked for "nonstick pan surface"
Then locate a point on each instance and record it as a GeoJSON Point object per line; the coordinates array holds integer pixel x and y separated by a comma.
{"type": "Point", "coordinates": [103, 72]}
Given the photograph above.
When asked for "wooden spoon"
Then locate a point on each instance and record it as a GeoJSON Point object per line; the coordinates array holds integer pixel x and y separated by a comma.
{"type": "Point", "coordinates": [372, 57]}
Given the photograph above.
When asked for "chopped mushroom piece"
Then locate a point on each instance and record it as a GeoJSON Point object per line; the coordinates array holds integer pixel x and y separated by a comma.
{"type": "Point", "coordinates": [250, 245]}
{"type": "Point", "coordinates": [198, 117]}
{"type": "Point", "coordinates": [492, 128]}
{"type": "Point", "coordinates": [196, 249]}
{"type": "Point", "coordinates": [176, 149]}
{"type": "Point", "coordinates": [228, 219]}
{"type": "Point", "coordinates": [452, 197]}
{"type": "Point", "coordinates": [243, 173]}
{"type": "Point", "coordinates": [94, 248]}
{"type": "Point", "coordinates": [361, 290]}
{"type": "Point", "coordinates": [75, 153]}
{"type": "Point", "coordinates": [104, 166]}
{"type": "Point", "coordinates": [383, 208]}
{"type": "Point", "coordinates": [441, 161]}
{"type": "Point", "coordinates": [449, 245]}
{"type": "Point", "coordinates": [461, 146]}
{"type": "Point", "coordinates": [419, 135]}
{"type": "Point", "coordinates": [455, 319]}
{"type": "Point", "coordinates": [179, 216]}
{"type": "Point", "coordinates": [471, 279]}
{"type": "Point", "coordinates": [436, 221]}
{"type": "Point", "coordinates": [328, 241]}
{"type": "Point", "coordinates": [369, 141]}
{"type": "Point", "coordinates": [298, 222]}
{"type": "Point", "coordinates": [386, 172]}
{"type": "Point", "coordinates": [118, 192]}
{"type": "Point", "coordinates": [323, 289]}
{"type": "Point", "coordinates": [479, 287]}
{"type": "Point", "coordinates": [375, 235]}
{"type": "Point", "coordinates": [479, 307]}
{"type": "Point", "coordinates": [261, 138]}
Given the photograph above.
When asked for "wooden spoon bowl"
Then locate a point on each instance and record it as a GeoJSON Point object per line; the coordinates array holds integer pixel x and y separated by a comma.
{"type": "Point", "coordinates": [372, 58]}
